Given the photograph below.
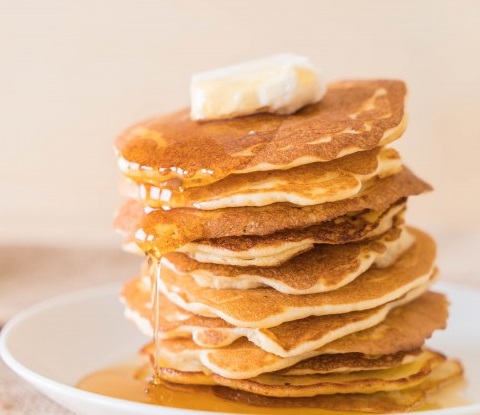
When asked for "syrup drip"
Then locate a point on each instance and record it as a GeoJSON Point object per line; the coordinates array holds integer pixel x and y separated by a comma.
{"type": "Point", "coordinates": [145, 235]}
{"type": "Point", "coordinates": [155, 266]}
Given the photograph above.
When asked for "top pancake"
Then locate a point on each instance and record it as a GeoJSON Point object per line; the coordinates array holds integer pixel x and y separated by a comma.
{"type": "Point", "coordinates": [353, 116]}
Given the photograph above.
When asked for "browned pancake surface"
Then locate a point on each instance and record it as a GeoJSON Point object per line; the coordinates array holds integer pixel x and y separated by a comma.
{"type": "Point", "coordinates": [341, 230]}
{"type": "Point", "coordinates": [324, 268]}
{"type": "Point", "coordinates": [353, 116]}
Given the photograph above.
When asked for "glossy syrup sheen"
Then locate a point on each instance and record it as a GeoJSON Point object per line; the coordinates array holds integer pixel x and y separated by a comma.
{"type": "Point", "coordinates": [125, 382]}
{"type": "Point", "coordinates": [155, 267]}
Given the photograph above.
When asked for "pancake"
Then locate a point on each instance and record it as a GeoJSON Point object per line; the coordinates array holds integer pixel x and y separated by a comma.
{"type": "Point", "coordinates": [324, 268]}
{"type": "Point", "coordinates": [353, 116]}
{"type": "Point", "coordinates": [275, 385]}
{"type": "Point", "coordinates": [173, 322]}
{"type": "Point", "coordinates": [266, 307]}
{"type": "Point", "coordinates": [349, 362]}
{"type": "Point", "coordinates": [160, 231]}
{"type": "Point", "coordinates": [279, 247]}
{"type": "Point", "coordinates": [303, 186]}
{"type": "Point", "coordinates": [379, 402]}
{"type": "Point", "coordinates": [405, 328]}
{"type": "Point", "coordinates": [288, 339]}
{"type": "Point", "coordinates": [297, 337]}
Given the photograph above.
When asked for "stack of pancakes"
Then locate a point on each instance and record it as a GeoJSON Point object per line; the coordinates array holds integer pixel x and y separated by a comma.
{"type": "Point", "coordinates": [287, 276]}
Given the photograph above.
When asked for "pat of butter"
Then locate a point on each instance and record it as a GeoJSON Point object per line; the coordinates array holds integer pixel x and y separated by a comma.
{"type": "Point", "coordinates": [280, 84]}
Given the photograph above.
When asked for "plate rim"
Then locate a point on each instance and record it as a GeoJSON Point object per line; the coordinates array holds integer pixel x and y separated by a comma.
{"type": "Point", "coordinates": [70, 391]}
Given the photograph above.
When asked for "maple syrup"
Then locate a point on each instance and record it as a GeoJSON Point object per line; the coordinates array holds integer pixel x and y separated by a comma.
{"type": "Point", "coordinates": [127, 382]}
{"type": "Point", "coordinates": [155, 266]}
{"type": "Point", "coordinates": [450, 395]}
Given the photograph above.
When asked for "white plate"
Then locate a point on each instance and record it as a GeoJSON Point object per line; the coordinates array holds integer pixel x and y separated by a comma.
{"type": "Point", "coordinates": [56, 343]}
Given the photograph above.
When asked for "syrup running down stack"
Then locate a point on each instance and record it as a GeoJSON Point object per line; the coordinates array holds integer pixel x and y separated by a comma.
{"type": "Point", "coordinates": [280, 271]}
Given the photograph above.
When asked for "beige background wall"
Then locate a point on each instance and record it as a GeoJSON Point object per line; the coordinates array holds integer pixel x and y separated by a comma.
{"type": "Point", "coordinates": [75, 73]}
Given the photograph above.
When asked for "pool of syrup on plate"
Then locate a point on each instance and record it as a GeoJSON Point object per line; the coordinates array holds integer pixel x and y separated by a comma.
{"type": "Point", "coordinates": [128, 382]}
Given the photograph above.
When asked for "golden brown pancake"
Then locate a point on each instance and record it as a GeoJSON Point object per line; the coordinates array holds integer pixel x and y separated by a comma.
{"type": "Point", "coordinates": [277, 248]}
{"type": "Point", "coordinates": [297, 337]}
{"type": "Point", "coordinates": [349, 362]}
{"type": "Point", "coordinates": [379, 402]}
{"type": "Point", "coordinates": [136, 297]}
{"type": "Point", "coordinates": [353, 116]}
{"type": "Point", "coordinates": [287, 339]}
{"type": "Point", "coordinates": [266, 307]}
{"type": "Point", "coordinates": [405, 328]}
{"type": "Point", "coordinates": [160, 231]}
{"type": "Point", "coordinates": [304, 185]}
{"type": "Point", "coordinates": [324, 268]}
{"type": "Point", "coordinates": [282, 386]}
